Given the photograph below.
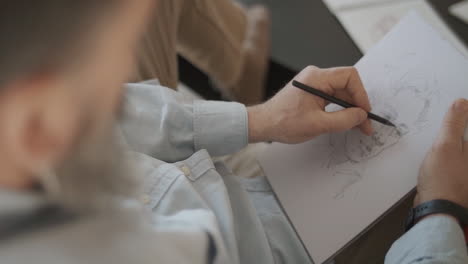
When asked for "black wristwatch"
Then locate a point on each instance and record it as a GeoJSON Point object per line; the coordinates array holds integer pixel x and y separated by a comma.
{"type": "Point", "coordinates": [437, 207]}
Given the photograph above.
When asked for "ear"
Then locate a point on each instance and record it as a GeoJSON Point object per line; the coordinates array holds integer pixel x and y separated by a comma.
{"type": "Point", "coordinates": [39, 118]}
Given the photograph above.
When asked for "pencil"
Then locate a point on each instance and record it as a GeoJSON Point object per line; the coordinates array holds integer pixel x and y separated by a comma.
{"type": "Point", "coordinates": [339, 102]}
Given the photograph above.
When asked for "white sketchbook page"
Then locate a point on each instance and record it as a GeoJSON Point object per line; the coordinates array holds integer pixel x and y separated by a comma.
{"type": "Point", "coordinates": [460, 10]}
{"type": "Point", "coordinates": [368, 25]}
{"type": "Point", "coordinates": [335, 186]}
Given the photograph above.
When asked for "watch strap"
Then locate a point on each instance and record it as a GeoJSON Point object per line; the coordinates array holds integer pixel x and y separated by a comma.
{"type": "Point", "coordinates": [437, 207]}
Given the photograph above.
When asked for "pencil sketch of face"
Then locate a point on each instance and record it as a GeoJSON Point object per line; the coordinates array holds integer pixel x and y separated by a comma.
{"type": "Point", "coordinates": [413, 89]}
{"type": "Point", "coordinates": [405, 99]}
{"type": "Point", "coordinates": [355, 147]}
{"type": "Point", "coordinates": [360, 148]}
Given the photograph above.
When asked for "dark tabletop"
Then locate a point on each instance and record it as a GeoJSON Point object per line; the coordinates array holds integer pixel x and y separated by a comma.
{"type": "Point", "coordinates": [459, 27]}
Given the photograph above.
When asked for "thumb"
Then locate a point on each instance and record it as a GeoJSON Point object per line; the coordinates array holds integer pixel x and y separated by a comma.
{"type": "Point", "coordinates": [453, 127]}
{"type": "Point", "coordinates": [345, 119]}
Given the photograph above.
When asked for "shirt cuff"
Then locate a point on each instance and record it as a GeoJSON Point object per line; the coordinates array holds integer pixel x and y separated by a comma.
{"type": "Point", "coordinates": [435, 239]}
{"type": "Point", "coordinates": [220, 127]}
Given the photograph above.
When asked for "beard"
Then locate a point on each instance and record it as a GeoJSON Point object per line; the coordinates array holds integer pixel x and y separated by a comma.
{"type": "Point", "coordinates": [94, 177]}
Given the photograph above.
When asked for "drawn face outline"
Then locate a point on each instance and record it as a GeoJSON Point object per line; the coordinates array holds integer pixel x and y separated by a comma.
{"type": "Point", "coordinates": [416, 90]}
{"type": "Point", "coordinates": [355, 147]}
{"type": "Point", "coordinates": [360, 148]}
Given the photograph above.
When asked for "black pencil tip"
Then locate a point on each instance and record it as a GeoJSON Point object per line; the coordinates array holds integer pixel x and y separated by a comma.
{"type": "Point", "coordinates": [391, 124]}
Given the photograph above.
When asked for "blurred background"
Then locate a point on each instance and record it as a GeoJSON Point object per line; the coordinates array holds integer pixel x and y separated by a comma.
{"type": "Point", "coordinates": [330, 33]}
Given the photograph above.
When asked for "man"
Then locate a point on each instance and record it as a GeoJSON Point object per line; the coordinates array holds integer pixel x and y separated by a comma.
{"type": "Point", "coordinates": [68, 189]}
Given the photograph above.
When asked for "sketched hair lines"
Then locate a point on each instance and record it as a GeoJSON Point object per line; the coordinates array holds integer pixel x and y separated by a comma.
{"type": "Point", "coordinates": [417, 85]}
{"type": "Point", "coordinates": [412, 93]}
{"type": "Point", "coordinates": [411, 87]}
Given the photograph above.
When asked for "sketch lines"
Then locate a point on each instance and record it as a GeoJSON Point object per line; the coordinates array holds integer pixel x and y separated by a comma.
{"type": "Point", "coordinates": [351, 151]}
{"type": "Point", "coordinates": [351, 177]}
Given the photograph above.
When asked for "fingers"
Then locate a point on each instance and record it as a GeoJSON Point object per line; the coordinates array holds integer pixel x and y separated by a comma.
{"type": "Point", "coordinates": [366, 127]}
{"type": "Point", "coordinates": [344, 83]}
{"type": "Point", "coordinates": [453, 127]}
{"type": "Point", "coordinates": [347, 79]}
{"type": "Point", "coordinates": [344, 119]}
{"type": "Point", "coordinates": [349, 86]}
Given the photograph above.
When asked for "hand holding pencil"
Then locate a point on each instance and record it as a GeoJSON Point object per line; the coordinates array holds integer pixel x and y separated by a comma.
{"type": "Point", "coordinates": [339, 102]}
{"type": "Point", "coordinates": [294, 115]}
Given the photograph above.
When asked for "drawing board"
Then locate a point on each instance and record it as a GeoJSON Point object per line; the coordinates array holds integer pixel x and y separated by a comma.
{"type": "Point", "coordinates": [335, 186]}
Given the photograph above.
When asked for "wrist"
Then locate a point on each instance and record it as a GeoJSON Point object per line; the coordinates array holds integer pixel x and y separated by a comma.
{"type": "Point", "coordinates": [435, 208]}
{"type": "Point", "coordinates": [260, 125]}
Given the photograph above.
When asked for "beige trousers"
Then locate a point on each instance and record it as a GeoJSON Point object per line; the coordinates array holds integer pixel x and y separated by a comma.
{"type": "Point", "coordinates": [208, 33]}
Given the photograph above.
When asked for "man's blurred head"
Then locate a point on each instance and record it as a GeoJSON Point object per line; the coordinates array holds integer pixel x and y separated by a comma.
{"type": "Point", "coordinates": [62, 64]}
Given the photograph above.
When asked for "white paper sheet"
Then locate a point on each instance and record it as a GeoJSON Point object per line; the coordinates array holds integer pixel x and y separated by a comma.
{"type": "Point", "coordinates": [460, 10]}
{"type": "Point", "coordinates": [368, 25]}
{"type": "Point", "coordinates": [337, 5]}
{"type": "Point", "coordinates": [335, 186]}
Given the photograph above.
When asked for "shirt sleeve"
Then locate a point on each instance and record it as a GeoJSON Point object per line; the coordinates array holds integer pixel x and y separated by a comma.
{"type": "Point", "coordinates": [162, 123]}
{"type": "Point", "coordinates": [434, 240]}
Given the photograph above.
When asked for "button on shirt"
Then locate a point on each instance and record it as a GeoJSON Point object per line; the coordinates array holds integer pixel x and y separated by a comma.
{"type": "Point", "coordinates": [173, 140]}
{"type": "Point", "coordinates": [194, 209]}
{"type": "Point", "coordinates": [185, 170]}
